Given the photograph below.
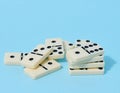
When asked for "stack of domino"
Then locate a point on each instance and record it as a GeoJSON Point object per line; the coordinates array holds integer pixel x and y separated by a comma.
{"type": "Point", "coordinates": [85, 58]}
{"type": "Point", "coordinates": [41, 60]}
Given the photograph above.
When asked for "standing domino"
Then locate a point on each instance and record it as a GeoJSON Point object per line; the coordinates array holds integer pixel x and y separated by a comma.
{"type": "Point", "coordinates": [58, 48]}
{"type": "Point", "coordinates": [48, 66]}
{"type": "Point", "coordinates": [13, 58]}
{"type": "Point", "coordinates": [37, 56]}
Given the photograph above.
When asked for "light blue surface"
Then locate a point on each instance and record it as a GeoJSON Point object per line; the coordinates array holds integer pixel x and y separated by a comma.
{"type": "Point", "coordinates": [26, 23]}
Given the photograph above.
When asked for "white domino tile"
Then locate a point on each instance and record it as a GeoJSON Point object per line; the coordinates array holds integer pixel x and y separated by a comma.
{"type": "Point", "coordinates": [48, 66]}
{"type": "Point", "coordinates": [94, 59]}
{"type": "Point", "coordinates": [13, 58]}
{"type": "Point", "coordinates": [37, 56]}
{"type": "Point", "coordinates": [82, 54]}
{"type": "Point", "coordinates": [86, 71]}
{"type": "Point", "coordinates": [77, 54]}
{"type": "Point", "coordinates": [89, 65]}
{"type": "Point", "coordinates": [89, 46]}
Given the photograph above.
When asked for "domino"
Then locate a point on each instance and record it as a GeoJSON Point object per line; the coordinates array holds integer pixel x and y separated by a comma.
{"type": "Point", "coordinates": [48, 66]}
{"type": "Point", "coordinates": [88, 46]}
{"type": "Point", "coordinates": [58, 48]}
{"type": "Point", "coordinates": [89, 65]}
{"type": "Point", "coordinates": [86, 71]}
{"type": "Point", "coordinates": [85, 53]}
{"type": "Point", "coordinates": [68, 45]}
{"type": "Point", "coordinates": [94, 59]}
{"type": "Point", "coordinates": [85, 43]}
{"type": "Point", "coordinates": [13, 58]}
{"type": "Point", "coordinates": [37, 56]}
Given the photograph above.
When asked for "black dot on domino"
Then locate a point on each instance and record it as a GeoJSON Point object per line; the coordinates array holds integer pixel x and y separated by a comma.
{"type": "Point", "coordinates": [60, 52]}
{"type": "Point", "coordinates": [91, 51]}
{"type": "Point", "coordinates": [26, 54]}
{"type": "Point", "coordinates": [81, 68]}
{"type": "Point", "coordinates": [42, 48]}
{"type": "Point", "coordinates": [78, 40]}
{"type": "Point", "coordinates": [95, 44]}
{"type": "Point", "coordinates": [31, 59]}
{"type": "Point", "coordinates": [90, 45]}
{"type": "Point", "coordinates": [100, 68]}
{"type": "Point", "coordinates": [96, 50]}
{"type": "Point", "coordinates": [70, 44]}
{"type": "Point", "coordinates": [87, 40]}
{"type": "Point", "coordinates": [49, 63]}
{"type": "Point", "coordinates": [77, 52]}
{"type": "Point", "coordinates": [100, 48]}
{"type": "Point", "coordinates": [71, 69]}
{"type": "Point", "coordinates": [51, 54]}
{"type": "Point", "coordinates": [53, 41]}
{"type": "Point", "coordinates": [35, 50]}
{"type": "Point", "coordinates": [48, 46]}
{"type": "Point", "coordinates": [78, 45]}
{"type": "Point", "coordinates": [54, 50]}
{"type": "Point", "coordinates": [101, 61]}
{"type": "Point", "coordinates": [86, 46]}
{"type": "Point", "coordinates": [12, 56]}
{"type": "Point", "coordinates": [59, 47]}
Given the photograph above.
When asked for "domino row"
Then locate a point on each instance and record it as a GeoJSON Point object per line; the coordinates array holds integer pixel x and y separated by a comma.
{"type": "Point", "coordinates": [85, 57]}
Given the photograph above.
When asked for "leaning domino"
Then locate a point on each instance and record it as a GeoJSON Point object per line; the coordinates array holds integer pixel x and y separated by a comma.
{"type": "Point", "coordinates": [48, 66]}
{"type": "Point", "coordinates": [88, 45]}
{"type": "Point", "coordinates": [94, 59]}
{"type": "Point", "coordinates": [86, 71]}
{"type": "Point", "coordinates": [37, 56]}
{"type": "Point", "coordinates": [82, 54]}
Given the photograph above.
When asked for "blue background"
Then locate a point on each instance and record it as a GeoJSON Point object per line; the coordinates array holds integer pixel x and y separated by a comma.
{"type": "Point", "coordinates": [27, 23]}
